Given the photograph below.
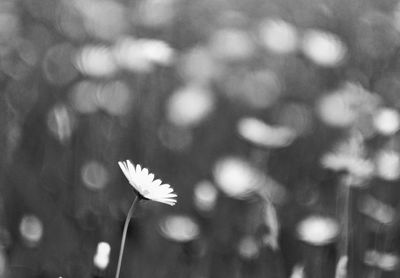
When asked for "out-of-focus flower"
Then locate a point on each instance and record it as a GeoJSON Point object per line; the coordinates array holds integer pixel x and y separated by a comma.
{"type": "Point", "coordinates": [261, 134]}
{"type": "Point", "coordinates": [387, 164]}
{"type": "Point", "coordinates": [236, 177]}
{"type": "Point", "coordinates": [346, 105]}
{"type": "Point", "coordinates": [384, 261]}
{"type": "Point", "coordinates": [61, 122]}
{"type": "Point", "coordinates": [102, 256]}
{"type": "Point", "coordinates": [57, 64]}
{"type": "Point", "coordinates": [349, 155]}
{"type": "Point", "coordinates": [318, 230]}
{"type": "Point", "coordinates": [298, 271]}
{"type": "Point", "coordinates": [355, 165]}
{"type": "Point", "coordinates": [248, 247]}
{"type": "Point", "coordinates": [144, 184]}
{"type": "Point", "coordinates": [158, 52]}
{"type": "Point", "coordinates": [377, 210]}
{"type": "Point", "coordinates": [205, 195]}
{"type": "Point", "coordinates": [180, 228]}
{"type": "Point", "coordinates": [115, 98]}
{"type": "Point", "coordinates": [83, 97]}
{"type": "Point", "coordinates": [129, 55]}
{"type": "Point", "coordinates": [387, 121]}
{"type": "Point", "coordinates": [389, 261]}
{"type": "Point", "coordinates": [278, 36]}
{"type": "Point", "coordinates": [341, 267]}
{"type": "Point", "coordinates": [94, 175]}
{"type": "Point", "coordinates": [31, 229]}
{"type": "Point", "coordinates": [231, 44]}
{"type": "Point", "coordinates": [189, 105]}
{"type": "Point", "coordinates": [141, 55]}
{"type": "Point", "coordinates": [270, 219]}
{"type": "Point", "coordinates": [323, 48]}
{"type": "Point", "coordinates": [96, 61]}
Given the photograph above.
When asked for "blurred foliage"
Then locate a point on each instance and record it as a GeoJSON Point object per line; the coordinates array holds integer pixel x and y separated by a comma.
{"type": "Point", "coordinates": [276, 122]}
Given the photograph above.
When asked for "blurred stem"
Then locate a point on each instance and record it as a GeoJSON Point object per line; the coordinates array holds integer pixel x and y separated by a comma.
{"type": "Point", "coordinates": [346, 187]}
{"type": "Point", "coordinates": [346, 219]}
{"type": "Point", "coordinates": [127, 220]}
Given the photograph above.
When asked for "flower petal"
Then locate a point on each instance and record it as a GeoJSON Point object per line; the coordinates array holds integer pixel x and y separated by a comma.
{"type": "Point", "coordinates": [157, 182]}
{"type": "Point", "coordinates": [138, 169]}
{"type": "Point", "coordinates": [143, 182]}
{"type": "Point", "coordinates": [151, 178]}
{"type": "Point", "coordinates": [124, 169]}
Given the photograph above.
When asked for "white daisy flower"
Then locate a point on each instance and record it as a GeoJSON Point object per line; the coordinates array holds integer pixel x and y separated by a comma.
{"type": "Point", "coordinates": [144, 184]}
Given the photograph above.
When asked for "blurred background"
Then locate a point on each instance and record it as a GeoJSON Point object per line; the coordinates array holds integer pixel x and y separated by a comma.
{"type": "Point", "coordinates": [275, 121]}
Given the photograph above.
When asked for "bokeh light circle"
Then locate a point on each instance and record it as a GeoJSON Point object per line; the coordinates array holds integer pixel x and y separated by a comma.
{"type": "Point", "coordinates": [179, 228]}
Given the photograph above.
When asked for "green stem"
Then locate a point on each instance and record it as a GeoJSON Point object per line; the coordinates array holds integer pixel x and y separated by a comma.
{"type": "Point", "coordinates": [121, 251]}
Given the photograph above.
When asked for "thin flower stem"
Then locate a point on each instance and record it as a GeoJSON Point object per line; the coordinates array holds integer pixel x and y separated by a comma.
{"type": "Point", "coordinates": [121, 251]}
{"type": "Point", "coordinates": [346, 215]}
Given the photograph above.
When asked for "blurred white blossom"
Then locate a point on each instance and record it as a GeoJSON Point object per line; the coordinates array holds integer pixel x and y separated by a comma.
{"type": "Point", "coordinates": [102, 256]}
{"type": "Point", "coordinates": [31, 229]}
{"type": "Point", "coordinates": [94, 175]}
{"type": "Point", "coordinates": [318, 230]}
{"type": "Point", "coordinates": [346, 105]}
{"type": "Point", "coordinates": [189, 105]}
{"type": "Point", "coordinates": [387, 163]}
{"type": "Point", "coordinates": [278, 36]}
{"type": "Point", "coordinates": [377, 210]}
{"type": "Point", "coordinates": [298, 271]}
{"type": "Point", "coordinates": [264, 135]}
{"type": "Point", "coordinates": [384, 261]}
{"type": "Point", "coordinates": [231, 44]}
{"type": "Point", "coordinates": [96, 61]}
{"type": "Point", "coordinates": [115, 98]}
{"type": "Point", "coordinates": [83, 96]}
{"type": "Point", "coordinates": [142, 55]}
{"type": "Point", "coordinates": [323, 48]}
{"type": "Point", "coordinates": [236, 177]}
{"type": "Point", "coordinates": [349, 155]}
{"type": "Point", "coordinates": [205, 195]}
{"type": "Point", "coordinates": [180, 228]}
{"type": "Point", "coordinates": [248, 247]}
{"type": "Point", "coordinates": [61, 122]}
{"type": "Point", "coordinates": [341, 267]}
{"type": "Point", "coordinates": [387, 121]}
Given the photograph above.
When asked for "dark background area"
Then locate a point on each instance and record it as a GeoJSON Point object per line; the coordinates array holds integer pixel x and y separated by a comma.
{"type": "Point", "coordinates": [276, 123]}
